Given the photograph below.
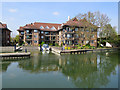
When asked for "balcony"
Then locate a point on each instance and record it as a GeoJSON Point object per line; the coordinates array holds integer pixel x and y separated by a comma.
{"type": "Point", "coordinates": [28, 38]}
{"type": "Point", "coordinates": [28, 33]}
{"type": "Point", "coordinates": [69, 32]}
{"type": "Point", "coordinates": [71, 38]}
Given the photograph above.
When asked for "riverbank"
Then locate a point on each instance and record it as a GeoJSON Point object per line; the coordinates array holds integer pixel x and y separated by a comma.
{"type": "Point", "coordinates": [79, 51]}
{"type": "Point", "coordinates": [35, 48]}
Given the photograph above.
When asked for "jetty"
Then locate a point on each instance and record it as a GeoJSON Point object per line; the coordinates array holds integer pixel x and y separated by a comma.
{"type": "Point", "coordinates": [56, 50]}
{"type": "Point", "coordinates": [14, 55]}
{"type": "Point", "coordinates": [74, 51]}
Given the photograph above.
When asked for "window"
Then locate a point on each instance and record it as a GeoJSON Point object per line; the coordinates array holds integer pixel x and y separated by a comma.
{"type": "Point", "coordinates": [76, 42]}
{"type": "Point", "coordinates": [42, 32]}
{"type": "Point", "coordinates": [87, 42]}
{"type": "Point", "coordinates": [53, 38]}
{"type": "Point", "coordinates": [35, 41]}
{"type": "Point", "coordinates": [92, 41]}
{"type": "Point", "coordinates": [27, 31]}
{"type": "Point", "coordinates": [70, 30]}
{"type": "Point", "coordinates": [67, 28]}
{"type": "Point", "coordinates": [87, 30]}
{"type": "Point", "coordinates": [22, 33]}
{"type": "Point", "coordinates": [82, 41]}
{"type": "Point", "coordinates": [47, 38]}
{"type": "Point", "coordinates": [93, 36]}
{"type": "Point", "coordinates": [53, 28]}
{"type": "Point", "coordinates": [41, 27]}
{"type": "Point", "coordinates": [7, 41]}
{"type": "Point", "coordinates": [35, 31]}
{"type": "Point", "coordinates": [68, 36]}
{"type": "Point", "coordinates": [82, 29]}
{"type": "Point", "coordinates": [76, 35]}
{"type": "Point", "coordinates": [82, 35]}
{"type": "Point", "coordinates": [46, 27]}
{"type": "Point", "coordinates": [51, 33]}
{"type": "Point", "coordinates": [92, 29]}
{"type": "Point", "coordinates": [42, 36]}
{"type": "Point", "coordinates": [63, 30]}
{"type": "Point", "coordinates": [76, 29]}
{"type": "Point", "coordinates": [47, 33]}
{"type": "Point", "coordinates": [35, 36]}
{"type": "Point", "coordinates": [27, 37]}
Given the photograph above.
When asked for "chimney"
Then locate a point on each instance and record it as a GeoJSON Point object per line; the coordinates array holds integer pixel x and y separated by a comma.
{"type": "Point", "coordinates": [68, 18]}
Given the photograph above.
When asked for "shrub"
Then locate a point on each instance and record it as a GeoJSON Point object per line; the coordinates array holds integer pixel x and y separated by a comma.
{"type": "Point", "coordinates": [69, 48]}
{"type": "Point", "coordinates": [82, 47]}
{"type": "Point", "coordinates": [65, 48]}
{"type": "Point", "coordinates": [79, 44]}
{"type": "Point", "coordinates": [56, 44]}
{"type": "Point", "coordinates": [86, 47]}
{"type": "Point", "coordinates": [50, 44]}
{"type": "Point", "coordinates": [76, 46]}
{"type": "Point", "coordinates": [42, 43]}
{"type": "Point", "coordinates": [92, 47]}
{"type": "Point", "coordinates": [79, 47]}
{"type": "Point", "coordinates": [88, 44]}
{"type": "Point", "coordinates": [61, 44]}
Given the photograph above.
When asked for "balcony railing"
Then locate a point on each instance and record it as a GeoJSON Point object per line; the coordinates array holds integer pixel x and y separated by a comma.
{"type": "Point", "coordinates": [29, 33]}
{"type": "Point", "coordinates": [71, 38]}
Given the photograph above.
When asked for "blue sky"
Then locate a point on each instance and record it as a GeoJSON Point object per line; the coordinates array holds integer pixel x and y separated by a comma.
{"type": "Point", "coordinates": [21, 13]}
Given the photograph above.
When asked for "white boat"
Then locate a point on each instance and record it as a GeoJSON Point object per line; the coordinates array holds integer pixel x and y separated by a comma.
{"type": "Point", "coordinates": [19, 48]}
{"type": "Point", "coordinates": [45, 47]}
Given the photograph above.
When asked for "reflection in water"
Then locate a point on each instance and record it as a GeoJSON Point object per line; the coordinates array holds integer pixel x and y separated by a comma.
{"type": "Point", "coordinates": [90, 70]}
{"type": "Point", "coordinates": [5, 66]}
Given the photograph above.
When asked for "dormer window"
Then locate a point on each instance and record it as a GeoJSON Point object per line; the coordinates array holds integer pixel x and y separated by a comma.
{"type": "Point", "coordinates": [46, 27]}
{"type": "Point", "coordinates": [53, 28]}
{"type": "Point", "coordinates": [41, 27]}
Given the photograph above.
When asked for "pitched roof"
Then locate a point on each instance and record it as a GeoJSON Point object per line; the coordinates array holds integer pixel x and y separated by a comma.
{"type": "Point", "coordinates": [50, 25]}
{"type": "Point", "coordinates": [79, 23]}
{"type": "Point", "coordinates": [3, 26]}
{"type": "Point", "coordinates": [37, 25]}
{"type": "Point", "coordinates": [72, 22]}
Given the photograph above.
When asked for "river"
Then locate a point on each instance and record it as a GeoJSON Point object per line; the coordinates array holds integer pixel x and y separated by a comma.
{"type": "Point", "coordinates": [47, 70]}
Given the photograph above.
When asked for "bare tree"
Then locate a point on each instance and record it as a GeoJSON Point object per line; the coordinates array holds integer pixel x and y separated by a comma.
{"type": "Point", "coordinates": [97, 19]}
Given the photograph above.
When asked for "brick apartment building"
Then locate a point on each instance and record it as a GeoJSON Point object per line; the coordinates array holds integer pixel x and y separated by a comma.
{"type": "Point", "coordinates": [72, 32]}
{"type": "Point", "coordinates": [5, 35]}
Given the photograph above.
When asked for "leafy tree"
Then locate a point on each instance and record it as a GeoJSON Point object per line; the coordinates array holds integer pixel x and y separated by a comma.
{"type": "Point", "coordinates": [16, 38]}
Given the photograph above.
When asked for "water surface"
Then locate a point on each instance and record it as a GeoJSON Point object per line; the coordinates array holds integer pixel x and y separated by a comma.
{"type": "Point", "coordinates": [91, 70]}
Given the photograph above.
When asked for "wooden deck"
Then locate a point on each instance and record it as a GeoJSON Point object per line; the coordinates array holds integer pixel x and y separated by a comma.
{"type": "Point", "coordinates": [14, 55]}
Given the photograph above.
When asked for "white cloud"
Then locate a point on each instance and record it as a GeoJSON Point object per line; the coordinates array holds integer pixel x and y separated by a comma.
{"type": "Point", "coordinates": [55, 13]}
{"type": "Point", "coordinates": [12, 10]}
